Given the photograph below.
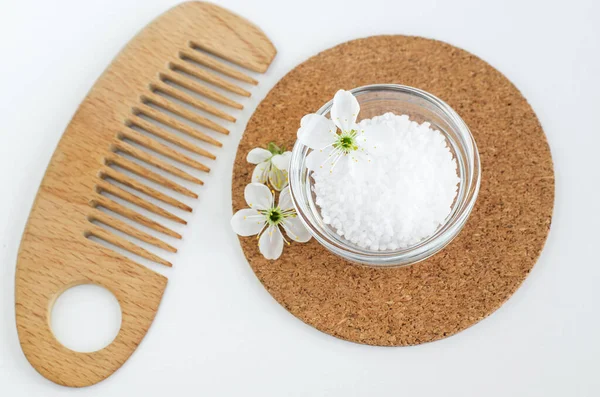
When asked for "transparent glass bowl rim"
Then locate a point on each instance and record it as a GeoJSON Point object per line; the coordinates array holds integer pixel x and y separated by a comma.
{"type": "Point", "coordinates": [465, 201]}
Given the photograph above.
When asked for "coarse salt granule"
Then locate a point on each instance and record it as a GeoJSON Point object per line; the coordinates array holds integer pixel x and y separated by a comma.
{"type": "Point", "coordinates": [400, 197]}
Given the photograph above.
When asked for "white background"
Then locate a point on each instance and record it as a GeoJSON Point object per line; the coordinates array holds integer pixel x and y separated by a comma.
{"type": "Point", "coordinates": [218, 332]}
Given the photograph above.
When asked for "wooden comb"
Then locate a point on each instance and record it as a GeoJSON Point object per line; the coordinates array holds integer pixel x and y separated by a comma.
{"type": "Point", "coordinates": [164, 75]}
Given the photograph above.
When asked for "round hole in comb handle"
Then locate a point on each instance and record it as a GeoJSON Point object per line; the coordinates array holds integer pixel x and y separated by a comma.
{"type": "Point", "coordinates": [74, 262]}
{"type": "Point", "coordinates": [85, 318]}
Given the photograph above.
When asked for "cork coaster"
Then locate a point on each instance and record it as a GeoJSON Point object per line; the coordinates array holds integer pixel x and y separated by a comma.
{"type": "Point", "coordinates": [482, 267]}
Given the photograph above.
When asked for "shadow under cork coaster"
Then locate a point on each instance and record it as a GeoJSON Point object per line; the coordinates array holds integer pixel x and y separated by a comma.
{"type": "Point", "coordinates": [482, 267]}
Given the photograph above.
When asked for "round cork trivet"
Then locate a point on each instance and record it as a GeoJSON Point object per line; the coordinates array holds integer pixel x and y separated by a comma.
{"type": "Point", "coordinates": [492, 255]}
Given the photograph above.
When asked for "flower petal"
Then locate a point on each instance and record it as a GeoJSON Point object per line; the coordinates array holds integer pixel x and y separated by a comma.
{"type": "Point", "coordinates": [258, 196]}
{"type": "Point", "coordinates": [282, 161]}
{"type": "Point", "coordinates": [296, 230]}
{"type": "Point", "coordinates": [317, 159]}
{"type": "Point", "coordinates": [377, 136]}
{"type": "Point", "coordinates": [258, 155]}
{"type": "Point", "coordinates": [247, 222]}
{"type": "Point", "coordinates": [344, 110]}
{"type": "Point", "coordinates": [278, 178]}
{"type": "Point", "coordinates": [285, 199]}
{"type": "Point", "coordinates": [260, 173]}
{"type": "Point", "coordinates": [270, 243]}
{"type": "Point", "coordinates": [342, 166]}
{"type": "Point", "coordinates": [326, 161]}
{"type": "Point", "coordinates": [316, 131]}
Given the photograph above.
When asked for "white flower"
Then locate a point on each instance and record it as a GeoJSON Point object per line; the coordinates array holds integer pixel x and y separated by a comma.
{"type": "Point", "coordinates": [264, 219]}
{"type": "Point", "coordinates": [352, 144]}
{"type": "Point", "coordinates": [272, 165]}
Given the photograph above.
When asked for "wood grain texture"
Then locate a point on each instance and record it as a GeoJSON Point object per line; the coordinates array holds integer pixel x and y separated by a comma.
{"type": "Point", "coordinates": [55, 252]}
{"type": "Point", "coordinates": [492, 255]}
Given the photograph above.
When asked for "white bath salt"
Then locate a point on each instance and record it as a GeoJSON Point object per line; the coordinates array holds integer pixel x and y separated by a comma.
{"type": "Point", "coordinates": [401, 197]}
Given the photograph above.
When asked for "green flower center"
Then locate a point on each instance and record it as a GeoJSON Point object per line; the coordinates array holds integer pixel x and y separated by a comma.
{"type": "Point", "coordinates": [274, 216]}
{"type": "Point", "coordinates": [346, 142]}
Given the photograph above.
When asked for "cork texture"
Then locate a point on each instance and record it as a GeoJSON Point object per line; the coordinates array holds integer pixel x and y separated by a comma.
{"type": "Point", "coordinates": [489, 259]}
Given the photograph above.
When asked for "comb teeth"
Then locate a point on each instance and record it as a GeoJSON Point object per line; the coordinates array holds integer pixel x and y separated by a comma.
{"type": "Point", "coordinates": [126, 148]}
{"type": "Point", "coordinates": [164, 124]}
{"type": "Point", "coordinates": [105, 202]}
{"type": "Point", "coordinates": [145, 173]}
{"type": "Point", "coordinates": [168, 136]}
{"type": "Point", "coordinates": [209, 78]}
{"type": "Point", "coordinates": [205, 60]}
{"type": "Point", "coordinates": [161, 87]}
{"type": "Point", "coordinates": [178, 125]}
{"type": "Point", "coordinates": [140, 187]}
{"type": "Point", "coordinates": [246, 63]}
{"type": "Point", "coordinates": [125, 244]}
{"type": "Point", "coordinates": [104, 186]}
{"type": "Point", "coordinates": [162, 149]}
{"type": "Point", "coordinates": [106, 219]}
{"type": "Point", "coordinates": [199, 89]}
{"type": "Point", "coordinates": [183, 112]}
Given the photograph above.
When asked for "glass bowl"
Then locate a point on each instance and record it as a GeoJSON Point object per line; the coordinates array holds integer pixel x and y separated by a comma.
{"type": "Point", "coordinates": [420, 106]}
